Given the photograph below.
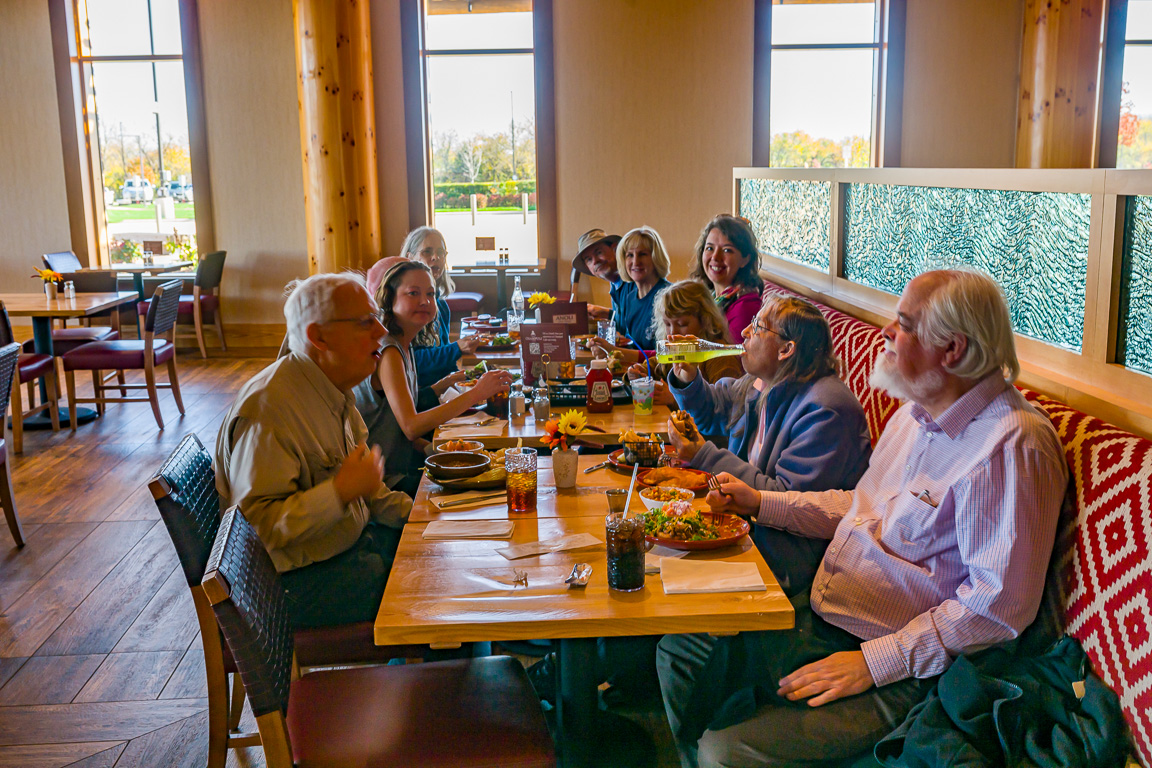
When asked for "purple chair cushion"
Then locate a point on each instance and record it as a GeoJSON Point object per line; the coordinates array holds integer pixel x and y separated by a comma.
{"type": "Point", "coordinates": [33, 366]}
{"type": "Point", "coordinates": [115, 355]}
{"type": "Point", "coordinates": [208, 303]}
{"type": "Point", "coordinates": [64, 340]}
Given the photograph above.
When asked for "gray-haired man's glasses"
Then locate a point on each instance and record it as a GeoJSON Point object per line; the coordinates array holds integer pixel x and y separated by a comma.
{"type": "Point", "coordinates": [365, 322]}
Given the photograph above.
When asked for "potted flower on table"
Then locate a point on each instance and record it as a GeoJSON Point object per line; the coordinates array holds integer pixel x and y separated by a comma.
{"type": "Point", "coordinates": [560, 435]}
{"type": "Point", "coordinates": [51, 282]}
{"type": "Point", "coordinates": [538, 299]}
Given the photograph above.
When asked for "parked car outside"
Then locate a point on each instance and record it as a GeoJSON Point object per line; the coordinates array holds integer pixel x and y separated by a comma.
{"type": "Point", "coordinates": [181, 193]}
{"type": "Point", "coordinates": [136, 190]}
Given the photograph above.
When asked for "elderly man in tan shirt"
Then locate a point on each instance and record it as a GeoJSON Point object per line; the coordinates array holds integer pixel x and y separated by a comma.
{"type": "Point", "coordinates": [292, 453]}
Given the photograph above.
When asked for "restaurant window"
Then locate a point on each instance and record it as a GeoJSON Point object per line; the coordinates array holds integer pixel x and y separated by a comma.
{"type": "Point", "coordinates": [480, 110]}
{"type": "Point", "coordinates": [820, 85]}
{"type": "Point", "coordinates": [1134, 141]}
{"type": "Point", "coordinates": [131, 59]}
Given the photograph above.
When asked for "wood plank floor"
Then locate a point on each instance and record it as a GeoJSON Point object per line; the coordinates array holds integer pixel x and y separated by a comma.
{"type": "Point", "coordinates": [100, 658]}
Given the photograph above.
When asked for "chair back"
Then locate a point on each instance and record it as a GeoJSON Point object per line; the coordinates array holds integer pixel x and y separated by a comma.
{"type": "Point", "coordinates": [209, 271]}
{"type": "Point", "coordinates": [6, 335]}
{"type": "Point", "coordinates": [244, 589]}
{"type": "Point", "coordinates": [100, 281]}
{"type": "Point", "coordinates": [62, 261]}
{"type": "Point", "coordinates": [163, 308]}
{"type": "Point", "coordinates": [184, 489]}
{"type": "Point", "coordinates": [9, 355]}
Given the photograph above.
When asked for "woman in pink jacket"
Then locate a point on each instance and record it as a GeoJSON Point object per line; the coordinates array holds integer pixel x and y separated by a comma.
{"type": "Point", "coordinates": [728, 262]}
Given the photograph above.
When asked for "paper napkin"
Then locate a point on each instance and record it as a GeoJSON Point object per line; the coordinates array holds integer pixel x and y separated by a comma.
{"type": "Point", "coordinates": [683, 577]}
{"type": "Point", "coordinates": [653, 556]}
{"type": "Point", "coordinates": [469, 529]}
{"type": "Point", "coordinates": [558, 544]}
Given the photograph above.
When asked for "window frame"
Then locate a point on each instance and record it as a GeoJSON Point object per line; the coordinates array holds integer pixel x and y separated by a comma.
{"type": "Point", "coordinates": [418, 141]}
{"type": "Point", "coordinates": [1116, 45]}
{"type": "Point", "coordinates": [83, 175]}
{"type": "Point", "coordinates": [888, 80]}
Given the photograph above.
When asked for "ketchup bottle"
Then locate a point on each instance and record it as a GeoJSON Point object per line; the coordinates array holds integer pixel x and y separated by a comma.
{"type": "Point", "coordinates": [599, 382]}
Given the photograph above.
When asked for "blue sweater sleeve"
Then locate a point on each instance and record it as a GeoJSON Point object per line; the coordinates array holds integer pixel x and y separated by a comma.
{"type": "Point", "coordinates": [434, 363]}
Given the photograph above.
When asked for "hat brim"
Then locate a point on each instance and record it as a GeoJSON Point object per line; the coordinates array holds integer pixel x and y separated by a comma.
{"type": "Point", "coordinates": [580, 263]}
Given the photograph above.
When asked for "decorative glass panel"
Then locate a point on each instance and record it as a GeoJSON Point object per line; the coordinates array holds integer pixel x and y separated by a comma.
{"type": "Point", "coordinates": [1136, 287]}
{"type": "Point", "coordinates": [1035, 244]}
{"type": "Point", "coordinates": [790, 218]}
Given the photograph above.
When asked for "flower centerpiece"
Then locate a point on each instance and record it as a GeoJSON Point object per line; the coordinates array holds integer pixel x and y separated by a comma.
{"type": "Point", "coordinates": [51, 279]}
{"type": "Point", "coordinates": [541, 297]}
{"type": "Point", "coordinates": [560, 435]}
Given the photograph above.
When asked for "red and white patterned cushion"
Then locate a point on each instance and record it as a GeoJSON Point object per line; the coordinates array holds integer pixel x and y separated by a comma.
{"type": "Point", "coordinates": [857, 344]}
{"type": "Point", "coordinates": [1106, 560]}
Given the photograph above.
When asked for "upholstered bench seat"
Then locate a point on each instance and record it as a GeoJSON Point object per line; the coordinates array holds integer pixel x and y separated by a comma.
{"type": "Point", "coordinates": [115, 355]}
{"type": "Point", "coordinates": [463, 301]}
{"type": "Point", "coordinates": [434, 715]}
{"type": "Point", "coordinates": [64, 340]}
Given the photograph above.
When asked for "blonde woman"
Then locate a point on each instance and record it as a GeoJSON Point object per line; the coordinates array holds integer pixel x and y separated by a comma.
{"type": "Point", "coordinates": [643, 264]}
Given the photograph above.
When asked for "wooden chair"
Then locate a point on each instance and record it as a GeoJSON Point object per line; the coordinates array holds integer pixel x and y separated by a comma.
{"type": "Point", "coordinates": [205, 298]}
{"type": "Point", "coordinates": [465, 712]}
{"type": "Point", "coordinates": [154, 350]}
{"type": "Point", "coordinates": [184, 489]}
{"type": "Point", "coordinates": [29, 368]}
{"type": "Point", "coordinates": [9, 355]}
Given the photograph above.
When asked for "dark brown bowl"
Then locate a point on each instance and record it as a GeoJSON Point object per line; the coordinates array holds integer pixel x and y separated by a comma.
{"type": "Point", "coordinates": [454, 465]}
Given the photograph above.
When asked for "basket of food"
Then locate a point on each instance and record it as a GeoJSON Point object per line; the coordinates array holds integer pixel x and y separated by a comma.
{"type": "Point", "coordinates": [644, 450]}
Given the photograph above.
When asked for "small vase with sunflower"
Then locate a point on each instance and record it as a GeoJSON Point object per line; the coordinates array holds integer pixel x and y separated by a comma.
{"type": "Point", "coordinates": [560, 435]}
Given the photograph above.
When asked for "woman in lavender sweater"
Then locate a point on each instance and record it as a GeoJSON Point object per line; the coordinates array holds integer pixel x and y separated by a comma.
{"type": "Point", "coordinates": [802, 429]}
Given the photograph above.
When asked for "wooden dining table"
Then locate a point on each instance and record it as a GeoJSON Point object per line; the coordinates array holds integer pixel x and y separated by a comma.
{"type": "Point", "coordinates": [43, 311]}
{"type": "Point", "coordinates": [447, 592]}
{"type": "Point", "coordinates": [138, 269]}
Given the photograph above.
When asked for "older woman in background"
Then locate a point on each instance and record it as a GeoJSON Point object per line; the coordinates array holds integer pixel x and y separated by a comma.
{"type": "Point", "coordinates": [805, 432]}
{"type": "Point", "coordinates": [728, 262]}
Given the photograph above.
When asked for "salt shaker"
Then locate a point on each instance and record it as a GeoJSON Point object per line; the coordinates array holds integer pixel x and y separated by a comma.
{"type": "Point", "coordinates": [541, 406]}
{"type": "Point", "coordinates": [69, 290]}
{"type": "Point", "coordinates": [516, 406]}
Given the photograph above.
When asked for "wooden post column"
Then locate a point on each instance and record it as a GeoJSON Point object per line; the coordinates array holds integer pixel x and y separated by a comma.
{"type": "Point", "coordinates": [1059, 86]}
{"type": "Point", "coordinates": [337, 133]}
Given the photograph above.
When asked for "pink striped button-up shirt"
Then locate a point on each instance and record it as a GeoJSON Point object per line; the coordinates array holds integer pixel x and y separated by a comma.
{"type": "Point", "coordinates": [943, 546]}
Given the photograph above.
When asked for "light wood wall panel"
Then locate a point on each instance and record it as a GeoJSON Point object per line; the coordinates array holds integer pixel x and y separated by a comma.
{"type": "Point", "coordinates": [961, 75]}
{"type": "Point", "coordinates": [33, 201]}
{"type": "Point", "coordinates": [254, 135]}
{"type": "Point", "coordinates": [391, 160]}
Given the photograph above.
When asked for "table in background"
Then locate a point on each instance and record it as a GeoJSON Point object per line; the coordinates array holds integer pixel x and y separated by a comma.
{"type": "Point", "coordinates": [529, 430]}
{"type": "Point", "coordinates": [501, 272]}
{"type": "Point", "coordinates": [458, 591]}
{"type": "Point", "coordinates": [138, 270]}
{"type": "Point", "coordinates": [42, 311]}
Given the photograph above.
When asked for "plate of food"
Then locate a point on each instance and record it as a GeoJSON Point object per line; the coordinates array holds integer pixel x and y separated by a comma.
{"type": "Point", "coordinates": [466, 446]}
{"type": "Point", "coordinates": [619, 462]}
{"type": "Point", "coordinates": [674, 477]}
{"type": "Point", "coordinates": [501, 343]}
{"type": "Point", "coordinates": [677, 526]}
{"type": "Point", "coordinates": [658, 496]}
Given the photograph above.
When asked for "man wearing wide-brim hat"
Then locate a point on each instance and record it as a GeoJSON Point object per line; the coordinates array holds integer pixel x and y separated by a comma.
{"type": "Point", "coordinates": [596, 255]}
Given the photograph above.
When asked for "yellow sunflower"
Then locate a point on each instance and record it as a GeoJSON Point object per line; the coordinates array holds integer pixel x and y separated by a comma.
{"type": "Point", "coordinates": [573, 422]}
{"type": "Point", "coordinates": [540, 297]}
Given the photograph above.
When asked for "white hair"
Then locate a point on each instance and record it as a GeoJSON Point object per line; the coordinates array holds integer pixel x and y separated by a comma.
{"type": "Point", "coordinates": [971, 304]}
{"type": "Point", "coordinates": [312, 301]}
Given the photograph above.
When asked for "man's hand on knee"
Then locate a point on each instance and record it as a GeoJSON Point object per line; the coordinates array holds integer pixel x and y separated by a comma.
{"type": "Point", "coordinates": [839, 675]}
{"type": "Point", "coordinates": [360, 475]}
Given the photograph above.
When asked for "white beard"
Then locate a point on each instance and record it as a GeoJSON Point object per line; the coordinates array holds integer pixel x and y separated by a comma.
{"type": "Point", "coordinates": [886, 377]}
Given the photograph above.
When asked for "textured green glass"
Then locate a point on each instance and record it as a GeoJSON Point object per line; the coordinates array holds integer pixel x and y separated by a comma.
{"type": "Point", "coordinates": [1035, 244]}
{"type": "Point", "coordinates": [1136, 287]}
{"type": "Point", "coordinates": [790, 218]}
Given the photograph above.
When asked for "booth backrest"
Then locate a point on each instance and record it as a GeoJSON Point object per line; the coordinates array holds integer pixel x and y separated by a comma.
{"type": "Point", "coordinates": [1102, 553]}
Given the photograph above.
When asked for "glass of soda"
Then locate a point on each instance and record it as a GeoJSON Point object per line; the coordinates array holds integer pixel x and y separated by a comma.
{"type": "Point", "coordinates": [624, 537]}
{"type": "Point", "coordinates": [520, 464]}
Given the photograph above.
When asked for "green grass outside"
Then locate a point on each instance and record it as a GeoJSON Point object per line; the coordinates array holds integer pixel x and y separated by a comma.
{"type": "Point", "coordinates": [118, 214]}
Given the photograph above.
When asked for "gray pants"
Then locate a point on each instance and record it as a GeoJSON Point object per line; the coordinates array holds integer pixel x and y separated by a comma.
{"type": "Point", "coordinates": [720, 697]}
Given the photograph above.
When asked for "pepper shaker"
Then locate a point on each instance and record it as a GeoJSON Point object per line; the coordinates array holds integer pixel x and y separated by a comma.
{"type": "Point", "coordinates": [516, 406]}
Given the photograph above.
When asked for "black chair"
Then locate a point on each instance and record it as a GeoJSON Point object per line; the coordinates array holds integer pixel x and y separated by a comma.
{"type": "Point", "coordinates": [465, 712]}
{"type": "Point", "coordinates": [205, 298]}
{"type": "Point", "coordinates": [62, 261]}
{"type": "Point", "coordinates": [9, 355]}
{"type": "Point", "coordinates": [184, 489]}
{"type": "Point", "coordinates": [29, 367]}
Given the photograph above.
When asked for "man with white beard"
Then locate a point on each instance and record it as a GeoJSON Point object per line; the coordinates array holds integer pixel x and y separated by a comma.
{"type": "Point", "coordinates": [940, 550]}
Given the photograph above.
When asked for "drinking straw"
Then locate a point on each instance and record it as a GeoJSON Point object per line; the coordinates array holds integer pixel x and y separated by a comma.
{"type": "Point", "coordinates": [643, 354]}
{"type": "Point", "coordinates": [631, 486]}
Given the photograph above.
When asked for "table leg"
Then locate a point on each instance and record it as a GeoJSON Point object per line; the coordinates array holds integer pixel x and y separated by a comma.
{"type": "Point", "coordinates": [501, 289]}
{"type": "Point", "coordinates": [587, 735]}
{"type": "Point", "coordinates": [42, 339]}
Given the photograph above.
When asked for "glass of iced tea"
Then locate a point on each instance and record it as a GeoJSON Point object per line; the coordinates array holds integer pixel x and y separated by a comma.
{"type": "Point", "coordinates": [624, 537]}
{"type": "Point", "coordinates": [520, 464]}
